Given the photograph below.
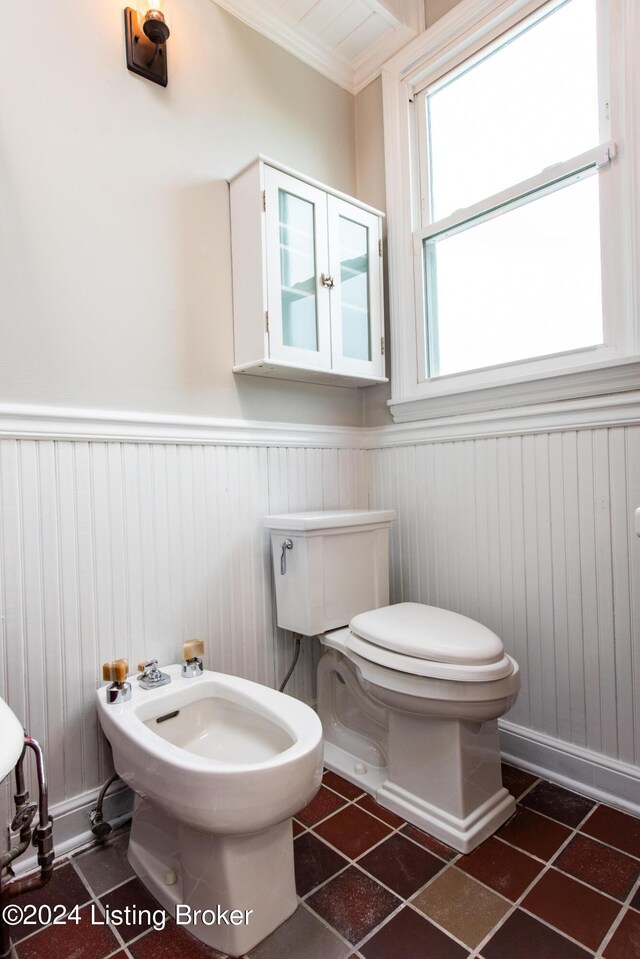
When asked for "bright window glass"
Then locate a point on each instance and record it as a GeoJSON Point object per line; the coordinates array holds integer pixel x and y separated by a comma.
{"type": "Point", "coordinates": [529, 104]}
{"type": "Point", "coordinates": [521, 285]}
{"type": "Point", "coordinates": [526, 282]}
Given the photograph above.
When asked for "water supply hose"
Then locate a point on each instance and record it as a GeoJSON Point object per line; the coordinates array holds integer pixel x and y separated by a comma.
{"type": "Point", "coordinates": [296, 653]}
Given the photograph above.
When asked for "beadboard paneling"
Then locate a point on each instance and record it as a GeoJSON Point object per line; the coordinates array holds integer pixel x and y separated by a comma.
{"type": "Point", "coordinates": [112, 548]}
{"type": "Point", "coordinates": [533, 536]}
{"type": "Point", "coordinates": [125, 549]}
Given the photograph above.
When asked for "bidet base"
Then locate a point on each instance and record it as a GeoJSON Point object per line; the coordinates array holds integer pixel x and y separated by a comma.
{"type": "Point", "coordinates": [231, 892]}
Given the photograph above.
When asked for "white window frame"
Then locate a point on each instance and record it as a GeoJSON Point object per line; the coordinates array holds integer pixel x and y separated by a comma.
{"type": "Point", "coordinates": [614, 366]}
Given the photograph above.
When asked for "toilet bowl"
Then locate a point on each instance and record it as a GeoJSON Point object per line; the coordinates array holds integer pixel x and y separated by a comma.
{"type": "Point", "coordinates": [409, 695]}
{"type": "Point", "coordinates": [219, 766]}
{"type": "Point", "coordinates": [431, 753]}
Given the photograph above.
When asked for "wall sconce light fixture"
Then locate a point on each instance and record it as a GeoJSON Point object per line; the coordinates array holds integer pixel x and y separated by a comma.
{"type": "Point", "coordinates": [146, 33]}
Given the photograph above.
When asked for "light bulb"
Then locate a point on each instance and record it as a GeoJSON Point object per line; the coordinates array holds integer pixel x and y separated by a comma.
{"type": "Point", "coordinates": [152, 19]}
{"type": "Point", "coordinates": [151, 10]}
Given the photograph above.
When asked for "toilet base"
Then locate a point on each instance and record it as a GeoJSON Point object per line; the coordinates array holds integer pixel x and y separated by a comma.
{"type": "Point", "coordinates": [230, 892]}
{"type": "Point", "coordinates": [462, 834]}
{"type": "Point", "coordinates": [431, 762]}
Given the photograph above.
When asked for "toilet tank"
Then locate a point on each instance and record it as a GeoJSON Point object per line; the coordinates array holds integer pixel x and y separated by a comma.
{"type": "Point", "coordinates": [337, 566]}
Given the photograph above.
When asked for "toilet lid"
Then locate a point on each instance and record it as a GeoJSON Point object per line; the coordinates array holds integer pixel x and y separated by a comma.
{"type": "Point", "coordinates": [429, 633]}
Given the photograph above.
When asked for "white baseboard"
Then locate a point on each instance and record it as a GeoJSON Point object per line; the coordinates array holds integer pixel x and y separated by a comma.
{"type": "Point", "coordinates": [592, 774]}
{"type": "Point", "coordinates": [597, 776]}
{"type": "Point", "coordinates": [72, 824]}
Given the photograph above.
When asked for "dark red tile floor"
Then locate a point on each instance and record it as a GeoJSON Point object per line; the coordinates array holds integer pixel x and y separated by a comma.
{"type": "Point", "coordinates": [561, 880]}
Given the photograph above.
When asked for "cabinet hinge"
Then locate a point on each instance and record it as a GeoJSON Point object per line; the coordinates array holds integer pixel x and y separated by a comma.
{"type": "Point", "coordinates": [379, 247]}
{"type": "Point", "coordinates": [264, 200]}
{"type": "Point", "coordinates": [382, 345]}
{"type": "Point", "coordinates": [266, 320]}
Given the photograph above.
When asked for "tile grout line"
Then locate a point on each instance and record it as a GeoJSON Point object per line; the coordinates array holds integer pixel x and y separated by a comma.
{"type": "Point", "coordinates": [570, 875]}
{"type": "Point", "coordinates": [615, 925]}
{"type": "Point", "coordinates": [518, 903]}
{"type": "Point", "coordinates": [475, 952]}
{"type": "Point", "coordinates": [445, 865]}
{"type": "Point", "coordinates": [95, 898]}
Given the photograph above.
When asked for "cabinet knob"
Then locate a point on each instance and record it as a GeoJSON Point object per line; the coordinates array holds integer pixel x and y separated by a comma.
{"type": "Point", "coordinates": [327, 281]}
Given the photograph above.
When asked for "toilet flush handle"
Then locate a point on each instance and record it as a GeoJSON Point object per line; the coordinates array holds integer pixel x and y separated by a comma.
{"type": "Point", "coordinates": [286, 544]}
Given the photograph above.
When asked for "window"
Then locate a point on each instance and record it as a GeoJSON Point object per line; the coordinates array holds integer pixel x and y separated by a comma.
{"type": "Point", "coordinates": [513, 196]}
{"type": "Point", "coordinates": [509, 143]}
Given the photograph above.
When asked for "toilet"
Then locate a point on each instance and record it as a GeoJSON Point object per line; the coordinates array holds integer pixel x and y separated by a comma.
{"type": "Point", "coordinates": [409, 695]}
{"type": "Point", "coordinates": [219, 765]}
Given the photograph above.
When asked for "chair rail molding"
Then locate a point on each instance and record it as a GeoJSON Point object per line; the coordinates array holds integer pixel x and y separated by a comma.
{"type": "Point", "coordinates": [25, 422]}
{"type": "Point", "coordinates": [115, 426]}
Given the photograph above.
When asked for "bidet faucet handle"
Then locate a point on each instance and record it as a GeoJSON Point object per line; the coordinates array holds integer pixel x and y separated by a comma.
{"type": "Point", "coordinates": [115, 671]}
{"type": "Point", "coordinates": [149, 667]}
{"type": "Point", "coordinates": [150, 676]}
{"type": "Point", "coordinates": [192, 649]}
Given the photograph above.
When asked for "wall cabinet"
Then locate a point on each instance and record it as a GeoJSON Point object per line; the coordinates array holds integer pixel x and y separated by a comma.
{"type": "Point", "coordinates": [307, 279]}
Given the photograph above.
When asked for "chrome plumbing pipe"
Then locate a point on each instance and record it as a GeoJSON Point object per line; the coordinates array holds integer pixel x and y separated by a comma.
{"type": "Point", "coordinates": [42, 837]}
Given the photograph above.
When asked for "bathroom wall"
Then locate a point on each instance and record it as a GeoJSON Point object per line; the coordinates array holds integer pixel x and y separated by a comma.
{"type": "Point", "coordinates": [112, 549]}
{"type": "Point", "coordinates": [115, 284]}
{"type": "Point", "coordinates": [434, 9]}
{"type": "Point", "coordinates": [371, 187]}
{"type": "Point", "coordinates": [115, 276]}
{"type": "Point", "coordinates": [532, 534]}
{"type": "Point", "coordinates": [125, 536]}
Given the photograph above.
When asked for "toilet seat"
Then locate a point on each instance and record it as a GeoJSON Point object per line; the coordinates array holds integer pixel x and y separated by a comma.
{"type": "Point", "coordinates": [429, 641]}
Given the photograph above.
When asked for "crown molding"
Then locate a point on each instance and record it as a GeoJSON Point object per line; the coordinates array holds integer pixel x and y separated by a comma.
{"type": "Point", "coordinates": [352, 74]}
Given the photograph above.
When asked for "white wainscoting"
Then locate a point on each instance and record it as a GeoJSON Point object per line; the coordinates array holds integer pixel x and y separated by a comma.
{"type": "Point", "coordinates": [533, 536]}
{"type": "Point", "coordinates": [112, 549]}
{"type": "Point", "coordinates": [123, 534]}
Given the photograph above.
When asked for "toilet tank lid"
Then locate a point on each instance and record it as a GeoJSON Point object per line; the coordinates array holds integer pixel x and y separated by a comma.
{"type": "Point", "coordinates": [428, 632]}
{"type": "Point", "coordinates": [329, 519]}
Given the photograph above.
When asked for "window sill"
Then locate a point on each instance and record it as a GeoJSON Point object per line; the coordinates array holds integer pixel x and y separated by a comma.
{"type": "Point", "coordinates": [569, 393]}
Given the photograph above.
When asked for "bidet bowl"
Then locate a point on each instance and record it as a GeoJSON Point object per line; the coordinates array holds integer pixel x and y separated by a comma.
{"type": "Point", "coordinates": [219, 753]}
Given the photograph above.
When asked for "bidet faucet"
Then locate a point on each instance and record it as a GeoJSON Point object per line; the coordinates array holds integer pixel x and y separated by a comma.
{"type": "Point", "coordinates": [150, 676]}
{"type": "Point", "coordinates": [192, 667]}
{"type": "Point", "coordinates": [116, 673]}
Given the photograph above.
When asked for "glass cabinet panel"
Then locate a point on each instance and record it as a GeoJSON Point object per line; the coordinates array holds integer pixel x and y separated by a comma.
{"type": "Point", "coordinates": [298, 271]}
{"type": "Point", "coordinates": [354, 280]}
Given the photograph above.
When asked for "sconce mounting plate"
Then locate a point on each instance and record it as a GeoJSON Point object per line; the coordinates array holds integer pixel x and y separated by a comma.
{"type": "Point", "coordinates": [141, 51]}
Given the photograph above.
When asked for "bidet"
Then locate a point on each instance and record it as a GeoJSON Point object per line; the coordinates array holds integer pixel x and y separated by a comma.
{"type": "Point", "coordinates": [219, 767]}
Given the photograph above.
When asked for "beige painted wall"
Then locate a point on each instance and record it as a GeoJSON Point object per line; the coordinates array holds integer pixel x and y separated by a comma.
{"type": "Point", "coordinates": [115, 275]}
{"type": "Point", "coordinates": [434, 9]}
{"type": "Point", "coordinates": [371, 187]}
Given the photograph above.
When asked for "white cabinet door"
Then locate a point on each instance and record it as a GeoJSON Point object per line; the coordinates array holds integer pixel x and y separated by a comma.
{"type": "Point", "coordinates": [356, 295]}
{"type": "Point", "coordinates": [297, 263]}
